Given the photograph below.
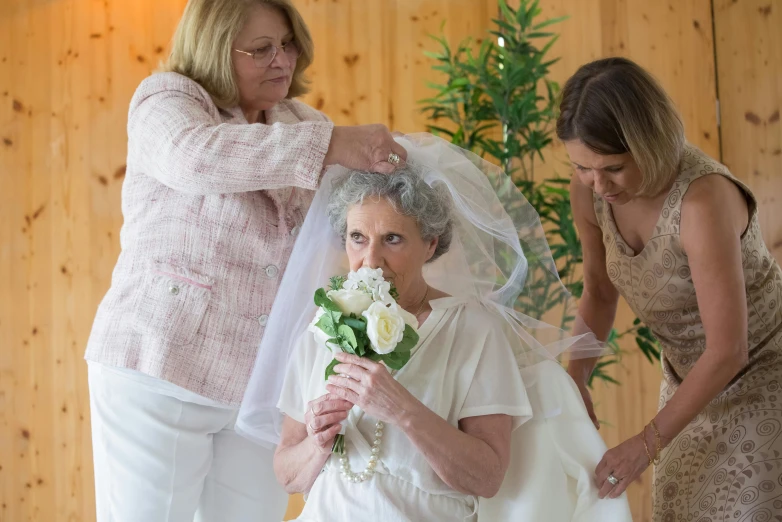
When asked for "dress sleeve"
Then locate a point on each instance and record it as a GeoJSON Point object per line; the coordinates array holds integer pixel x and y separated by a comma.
{"type": "Point", "coordinates": [175, 135]}
{"type": "Point", "coordinates": [497, 387]}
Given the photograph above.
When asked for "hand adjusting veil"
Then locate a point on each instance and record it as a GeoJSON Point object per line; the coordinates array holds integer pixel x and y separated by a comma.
{"type": "Point", "coordinates": [499, 256]}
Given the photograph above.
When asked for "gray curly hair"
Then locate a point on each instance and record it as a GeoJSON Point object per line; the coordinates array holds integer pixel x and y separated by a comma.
{"type": "Point", "coordinates": [407, 192]}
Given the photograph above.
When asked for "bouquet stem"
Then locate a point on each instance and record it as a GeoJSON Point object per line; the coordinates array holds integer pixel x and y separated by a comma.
{"type": "Point", "coordinates": [338, 448]}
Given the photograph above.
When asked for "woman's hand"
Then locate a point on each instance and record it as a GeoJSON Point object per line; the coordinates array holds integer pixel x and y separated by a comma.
{"type": "Point", "coordinates": [364, 147]}
{"type": "Point", "coordinates": [323, 418]}
{"type": "Point", "coordinates": [625, 462]}
{"type": "Point", "coordinates": [369, 385]}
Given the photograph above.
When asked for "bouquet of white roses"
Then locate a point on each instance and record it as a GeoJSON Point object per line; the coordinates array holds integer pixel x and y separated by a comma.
{"type": "Point", "coordinates": [359, 315]}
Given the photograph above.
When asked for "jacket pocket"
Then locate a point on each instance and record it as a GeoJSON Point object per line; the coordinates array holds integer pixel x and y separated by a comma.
{"type": "Point", "coordinates": [171, 304]}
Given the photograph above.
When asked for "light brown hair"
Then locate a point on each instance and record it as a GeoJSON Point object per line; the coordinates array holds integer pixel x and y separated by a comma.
{"type": "Point", "coordinates": [615, 107]}
{"type": "Point", "coordinates": [202, 46]}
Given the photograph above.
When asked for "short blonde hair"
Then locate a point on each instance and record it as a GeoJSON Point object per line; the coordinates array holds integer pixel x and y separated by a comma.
{"type": "Point", "coordinates": [614, 107]}
{"type": "Point", "coordinates": [202, 47]}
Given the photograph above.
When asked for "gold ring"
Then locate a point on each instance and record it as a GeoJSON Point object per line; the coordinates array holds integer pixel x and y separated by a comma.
{"type": "Point", "coordinates": [394, 158]}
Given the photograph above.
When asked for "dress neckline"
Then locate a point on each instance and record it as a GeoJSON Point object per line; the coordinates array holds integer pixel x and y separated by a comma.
{"type": "Point", "coordinates": [628, 251]}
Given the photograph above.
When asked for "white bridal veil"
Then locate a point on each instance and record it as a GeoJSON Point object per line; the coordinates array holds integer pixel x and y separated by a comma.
{"type": "Point", "coordinates": [499, 256]}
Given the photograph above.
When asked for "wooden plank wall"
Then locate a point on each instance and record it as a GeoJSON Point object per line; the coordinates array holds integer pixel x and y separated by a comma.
{"type": "Point", "coordinates": [67, 71]}
{"type": "Point", "coordinates": [69, 67]}
{"type": "Point", "coordinates": [375, 71]}
{"type": "Point", "coordinates": [749, 61]}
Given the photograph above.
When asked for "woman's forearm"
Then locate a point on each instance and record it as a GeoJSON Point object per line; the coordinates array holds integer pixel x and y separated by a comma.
{"type": "Point", "coordinates": [707, 379]}
{"type": "Point", "coordinates": [597, 316]}
{"type": "Point", "coordinates": [297, 466]}
{"type": "Point", "coordinates": [176, 139]}
{"type": "Point", "coordinates": [467, 464]}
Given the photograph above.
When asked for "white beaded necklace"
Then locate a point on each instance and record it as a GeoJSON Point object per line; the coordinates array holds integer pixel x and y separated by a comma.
{"type": "Point", "coordinates": [369, 470]}
{"type": "Point", "coordinates": [344, 463]}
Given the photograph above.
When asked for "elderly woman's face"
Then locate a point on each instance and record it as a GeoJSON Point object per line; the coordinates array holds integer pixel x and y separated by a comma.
{"type": "Point", "coordinates": [262, 88]}
{"type": "Point", "coordinates": [379, 237]}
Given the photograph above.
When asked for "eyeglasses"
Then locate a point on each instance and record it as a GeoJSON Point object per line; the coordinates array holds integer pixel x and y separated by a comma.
{"type": "Point", "coordinates": [264, 56]}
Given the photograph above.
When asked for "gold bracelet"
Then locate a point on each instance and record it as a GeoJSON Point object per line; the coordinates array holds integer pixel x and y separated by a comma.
{"type": "Point", "coordinates": [646, 446]}
{"type": "Point", "coordinates": [657, 440]}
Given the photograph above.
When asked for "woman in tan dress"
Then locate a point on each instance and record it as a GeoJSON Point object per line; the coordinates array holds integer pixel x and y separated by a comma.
{"type": "Point", "coordinates": [674, 233]}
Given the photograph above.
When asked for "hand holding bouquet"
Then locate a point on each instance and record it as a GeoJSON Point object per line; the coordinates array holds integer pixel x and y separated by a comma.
{"type": "Point", "coordinates": [359, 315]}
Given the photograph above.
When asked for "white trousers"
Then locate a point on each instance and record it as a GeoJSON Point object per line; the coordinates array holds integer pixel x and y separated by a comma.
{"type": "Point", "coordinates": [159, 458]}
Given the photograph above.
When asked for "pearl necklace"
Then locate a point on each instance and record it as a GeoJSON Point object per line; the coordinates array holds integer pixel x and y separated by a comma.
{"type": "Point", "coordinates": [369, 470]}
{"type": "Point", "coordinates": [344, 463]}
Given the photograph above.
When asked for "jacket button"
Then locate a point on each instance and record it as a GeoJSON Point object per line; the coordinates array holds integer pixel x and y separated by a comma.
{"type": "Point", "coordinates": [173, 289]}
{"type": "Point", "coordinates": [262, 320]}
{"type": "Point", "coordinates": [295, 231]}
{"type": "Point", "coordinates": [272, 271]}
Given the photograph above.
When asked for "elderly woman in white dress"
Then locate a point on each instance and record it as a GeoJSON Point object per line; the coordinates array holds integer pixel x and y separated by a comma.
{"type": "Point", "coordinates": [448, 413]}
{"type": "Point", "coordinates": [436, 440]}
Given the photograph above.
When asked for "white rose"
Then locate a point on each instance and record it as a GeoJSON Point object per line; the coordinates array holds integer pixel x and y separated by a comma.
{"type": "Point", "coordinates": [350, 301]}
{"type": "Point", "coordinates": [385, 327]}
{"type": "Point", "coordinates": [320, 336]}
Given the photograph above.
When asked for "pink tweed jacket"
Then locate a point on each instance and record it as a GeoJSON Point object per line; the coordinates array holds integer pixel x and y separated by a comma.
{"type": "Point", "coordinates": [212, 206]}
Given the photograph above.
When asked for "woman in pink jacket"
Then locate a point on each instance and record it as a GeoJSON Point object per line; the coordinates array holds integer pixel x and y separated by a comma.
{"type": "Point", "coordinates": [222, 165]}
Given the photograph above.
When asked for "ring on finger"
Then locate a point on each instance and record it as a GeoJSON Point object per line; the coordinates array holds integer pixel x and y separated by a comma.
{"type": "Point", "coordinates": [613, 480]}
{"type": "Point", "coordinates": [394, 158]}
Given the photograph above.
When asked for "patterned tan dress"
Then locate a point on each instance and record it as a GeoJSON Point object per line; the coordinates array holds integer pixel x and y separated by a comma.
{"type": "Point", "coordinates": [726, 465]}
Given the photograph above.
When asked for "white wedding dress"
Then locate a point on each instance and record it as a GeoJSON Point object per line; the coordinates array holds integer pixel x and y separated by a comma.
{"type": "Point", "coordinates": [462, 367]}
{"type": "Point", "coordinates": [553, 458]}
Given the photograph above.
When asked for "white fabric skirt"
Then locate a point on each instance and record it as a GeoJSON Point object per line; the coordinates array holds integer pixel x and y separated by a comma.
{"type": "Point", "coordinates": [553, 458]}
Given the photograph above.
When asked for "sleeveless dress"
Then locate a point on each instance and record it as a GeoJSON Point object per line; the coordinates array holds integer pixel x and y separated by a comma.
{"type": "Point", "coordinates": [726, 465]}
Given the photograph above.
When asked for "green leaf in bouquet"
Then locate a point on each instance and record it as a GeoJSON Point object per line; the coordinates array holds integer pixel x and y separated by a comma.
{"type": "Point", "coordinates": [396, 359]}
{"type": "Point", "coordinates": [409, 340]}
{"type": "Point", "coordinates": [327, 324]}
{"type": "Point", "coordinates": [335, 283]}
{"type": "Point", "coordinates": [347, 333]}
{"type": "Point", "coordinates": [330, 368]}
{"type": "Point", "coordinates": [323, 301]}
{"type": "Point", "coordinates": [345, 345]}
{"type": "Point", "coordinates": [394, 293]}
{"type": "Point", "coordinates": [356, 324]}
{"type": "Point", "coordinates": [361, 345]}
